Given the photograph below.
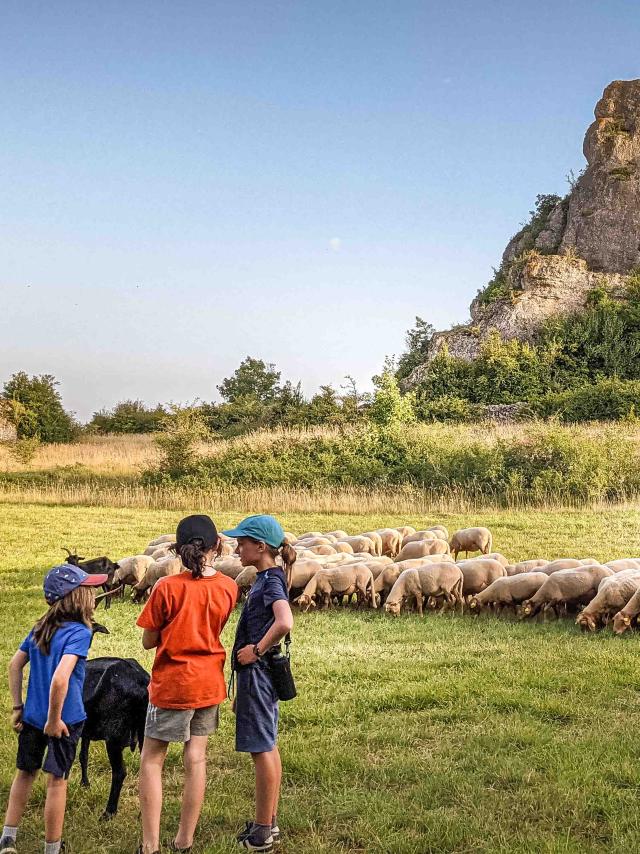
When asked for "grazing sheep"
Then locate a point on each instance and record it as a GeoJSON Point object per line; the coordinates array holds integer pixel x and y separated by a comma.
{"type": "Point", "coordinates": [613, 594]}
{"type": "Point", "coordinates": [338, 581]}
{"type": "Point", "coordinates": [376, 539]}
{"type": "Point", "coordinates": [164, 538]}
{"type": "Point", "coordinates": [290, 538]}
{"type": "Point", "coordinates": [494, 556]}
{"type": "Point", "coordinates": [422, 548]}
{"type": "Point", "coordinates": [390, 573]}
{"type": "Point", "coordinates": [420, 535]}
{"type": "Point", "coordinates": [627, 615]}
{"type": "Point", "coordinates": [440, 531]}
{"type": "Point", "coordinates": [339, 535]}
{"type": "Point", "coordinates": [479, 574]}
{"type": "Point", "coordinates": [471, 540]}
{"type": "Point", "coordinates": [131, 570]}
{"type": "Point", "coordinates": [309, 535]}
{"type": "Point", "coordinates": [405, 530]}
{"type": "Point", "coordinates": [526, 566]}
{"type": "Point", "coordinates": [360, 544]}
{"type": "Point", "coordinates": [507, 592]}
{"type": "Point", "coordinates": [158, 569]}
{"type": "Point", "coordinates": [322, 550]}
{"type": "Point", "coordinates": [161, 551]}
{"type": "Point", "coordinates": [562, 563]}
{"type": "Point", "coordinates": [566, 587]}
{"type": "Point", "coordinates": [246, 579]}
{"type": "Point", "coordinates": [229, 566]}
{"type": "Point", "coordinates": [437, 581]}
{"type": "Point", "coordinates": [623, 564]}
{"type": "Point", "coordinates": [391, 541]}
{"type": "Point", "coordinates": [345, 548]}
{"type": "Point", "coordinates": [308, 542]}
{"type": "Point", "coordinates": [302, 572]}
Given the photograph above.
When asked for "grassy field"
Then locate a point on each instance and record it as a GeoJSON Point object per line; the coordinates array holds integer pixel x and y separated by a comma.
{"type": "Point", "coordinates": [409, 735]}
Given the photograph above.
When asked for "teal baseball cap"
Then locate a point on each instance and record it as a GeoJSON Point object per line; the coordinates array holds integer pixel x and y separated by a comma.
{"type": "Point", "coordinates": [264, 529]}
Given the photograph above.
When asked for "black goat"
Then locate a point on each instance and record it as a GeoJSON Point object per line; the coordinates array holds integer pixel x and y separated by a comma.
{"type": "Point", "coordinates": [96, 565]}
{"type": "Point", "coordinates": [115, 700]}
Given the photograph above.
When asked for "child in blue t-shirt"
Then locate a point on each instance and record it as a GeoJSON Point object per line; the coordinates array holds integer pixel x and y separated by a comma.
{"type": "Point", "coordinates": [49, 723]}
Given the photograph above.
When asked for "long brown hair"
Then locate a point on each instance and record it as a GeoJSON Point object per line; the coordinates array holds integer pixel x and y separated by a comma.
{"type": "Point", "coordinates": [193, 555]}
{"type": "Point", "coordinates": [288, 556]}
{"type": "Point", "coordinates": [77, 606]}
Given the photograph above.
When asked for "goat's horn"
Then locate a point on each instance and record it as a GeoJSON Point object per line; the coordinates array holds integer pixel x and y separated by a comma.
{"type": "Point", "coordinates": [109, 592]}
{"type": "Point", "coordinates": [65, 549]}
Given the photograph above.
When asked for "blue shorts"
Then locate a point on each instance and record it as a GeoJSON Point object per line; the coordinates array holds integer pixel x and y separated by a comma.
{"type": "Point", "coordinates": [60, 752]}
{"type": "Point", "coordinates": [256, 710]}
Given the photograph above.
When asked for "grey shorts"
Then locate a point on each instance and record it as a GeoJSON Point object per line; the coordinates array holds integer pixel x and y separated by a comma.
{"type": "Point", "coordinates": [180, 724]}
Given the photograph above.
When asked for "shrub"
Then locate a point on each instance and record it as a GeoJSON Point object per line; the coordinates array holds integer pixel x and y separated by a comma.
{"type": "Point", "coordinates": [608, 400]}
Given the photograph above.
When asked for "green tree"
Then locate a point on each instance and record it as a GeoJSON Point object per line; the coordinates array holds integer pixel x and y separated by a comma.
{"type": "Point", "coordinates": [417, 342]}
{"type": "Point", "coordinates": [253, 378]}
{"type": "Point", "coordinates": [37, 408]}
{"type": "Point", "coordinates": [184, 427]}
{"type": "Point", "coordinates": [389, 406]}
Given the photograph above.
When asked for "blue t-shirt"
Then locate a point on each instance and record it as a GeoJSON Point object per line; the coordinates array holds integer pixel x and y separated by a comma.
{"type": "Point", "coordinates": [257, 615]}
{"type": "Point", "coordinates": [69, 639]}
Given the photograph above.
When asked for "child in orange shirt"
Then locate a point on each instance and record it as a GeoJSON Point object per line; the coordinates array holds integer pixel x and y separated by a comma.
{"type": "Point", "coordinates": [183, 620]}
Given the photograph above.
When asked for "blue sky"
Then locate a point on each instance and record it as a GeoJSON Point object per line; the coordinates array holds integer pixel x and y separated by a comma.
{"type": "Point", "coordinates": [183, 184]}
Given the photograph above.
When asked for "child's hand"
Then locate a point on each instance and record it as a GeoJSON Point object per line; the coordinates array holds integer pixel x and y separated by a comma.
{"type": "Point", "coordinates": [16, 720]}
{"type": "Point", "coordinates": [56, 729]}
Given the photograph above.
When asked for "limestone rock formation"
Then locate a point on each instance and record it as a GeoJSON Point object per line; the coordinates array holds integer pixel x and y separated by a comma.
{"type": "Point", "coordinates": [589, 239]}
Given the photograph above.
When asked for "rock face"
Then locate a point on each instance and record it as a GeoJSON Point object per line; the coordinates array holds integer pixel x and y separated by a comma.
{"type": "Point", "coordinates": [589, 239]}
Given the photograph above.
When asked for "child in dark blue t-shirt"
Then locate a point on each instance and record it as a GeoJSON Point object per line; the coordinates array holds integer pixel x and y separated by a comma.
{"type": "Point", "coordinates": [266, 618]}
{"type": "Point", "coordinates": [49, 723]}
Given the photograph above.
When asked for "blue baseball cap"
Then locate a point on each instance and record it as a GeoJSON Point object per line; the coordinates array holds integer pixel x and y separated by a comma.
{"type": "Point", "coordinates": [264, 529]}
{"type": "Point", "coordinates": [64, 578]}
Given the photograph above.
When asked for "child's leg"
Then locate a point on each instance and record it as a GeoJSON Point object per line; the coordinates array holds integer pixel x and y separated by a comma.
{"type": "Point", "coordinates": [154, 752]}
{"type": "Point", "coordinates": [19, 796]}
{"type": "Point", "coordinates": [54, 808]}
{"type": "Point", "coordinates": [268, 772]}
{"type": "Point", "coordinates": [278, 767]}
{"type": "Point", "coordinates": [195, 780]}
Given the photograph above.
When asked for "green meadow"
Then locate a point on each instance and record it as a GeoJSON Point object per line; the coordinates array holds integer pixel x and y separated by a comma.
{"type": "Point", "coordinates": [409, 735]}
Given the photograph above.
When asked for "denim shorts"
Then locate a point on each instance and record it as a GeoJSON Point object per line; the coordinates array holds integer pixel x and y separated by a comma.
{"type": "Point", "coordinates": [256, 710]}
{"type": "Point", "coordinates": [60, 752]}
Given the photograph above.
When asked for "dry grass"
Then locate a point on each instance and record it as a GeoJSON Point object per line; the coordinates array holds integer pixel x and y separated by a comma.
{"type": "Point", "coordinates": [128, 455]}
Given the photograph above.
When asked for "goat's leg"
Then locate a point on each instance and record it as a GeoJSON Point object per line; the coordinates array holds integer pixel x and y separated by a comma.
{"type": "Point", "coordinates": [118, 774]}
{"type": "Point", "coordinates": [84, 759]}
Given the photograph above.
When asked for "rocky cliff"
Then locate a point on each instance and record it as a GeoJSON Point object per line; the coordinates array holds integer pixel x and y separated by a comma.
{"type": "Point", "coordinates": [589, 239]}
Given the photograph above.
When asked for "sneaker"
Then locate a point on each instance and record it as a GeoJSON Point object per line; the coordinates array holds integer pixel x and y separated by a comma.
{"type": "Point", "coordinates": [8, 845]}
{"type": "Point", "coordinates": [253, 842]}
{"type": "Point", "coordinates": [248, 827]}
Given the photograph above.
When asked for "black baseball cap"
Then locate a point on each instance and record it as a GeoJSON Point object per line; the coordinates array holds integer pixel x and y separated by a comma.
{"type": "Point", "coordinates": [197, 527]}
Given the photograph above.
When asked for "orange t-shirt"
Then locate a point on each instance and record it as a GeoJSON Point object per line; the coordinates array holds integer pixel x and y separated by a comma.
{"type": "Point", "coordinates": [189, 613]}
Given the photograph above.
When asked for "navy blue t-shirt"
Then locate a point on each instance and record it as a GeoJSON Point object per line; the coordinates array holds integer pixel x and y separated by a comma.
{"type": "Point", "coordinates": [257, 614]}
{"type": "Point", "coordinates": [69, 639]}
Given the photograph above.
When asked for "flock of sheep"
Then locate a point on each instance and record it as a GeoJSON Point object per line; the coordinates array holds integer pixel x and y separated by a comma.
{"type": "Point", "coordinates": [401, 568]}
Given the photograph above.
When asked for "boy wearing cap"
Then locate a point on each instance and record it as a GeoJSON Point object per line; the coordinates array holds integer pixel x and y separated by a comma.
{"type": "Point", "coordinates": [265, 619]}
{"type": "Point", "coordinates": [49, 723]}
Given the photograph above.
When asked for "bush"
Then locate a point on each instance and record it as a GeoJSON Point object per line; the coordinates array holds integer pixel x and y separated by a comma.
{"type": "Point", "coordinates": [129, 416]}
{"type": "Point", "coordinates": [608, 400]}
{"type": "Point", "coordinates": [183, 429]}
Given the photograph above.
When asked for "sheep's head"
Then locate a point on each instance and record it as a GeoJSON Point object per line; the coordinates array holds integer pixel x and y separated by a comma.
{"type": "Point", "coordinates": [621, 622]}
{"type": "Point", "coordinates": [473, 603]}
{"type": "Point", "coordinates": [587, 622]}
{"type": "Point", "coordinates": [432, 603]}
{"type": "Point", "coordinates": [526, 608]}
{"type": "Point", "coordinates": [305, 602]}
{"type": "Point", "coordinates": [392, 608]}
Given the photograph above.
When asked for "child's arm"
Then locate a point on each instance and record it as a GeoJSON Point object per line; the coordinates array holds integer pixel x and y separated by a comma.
{"type": "Point", "coordinates": [150, 638]}
{"type": "Point", "coordinates": [55, 726]}
{"type": "Point", "coordinates": [16, 666]}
